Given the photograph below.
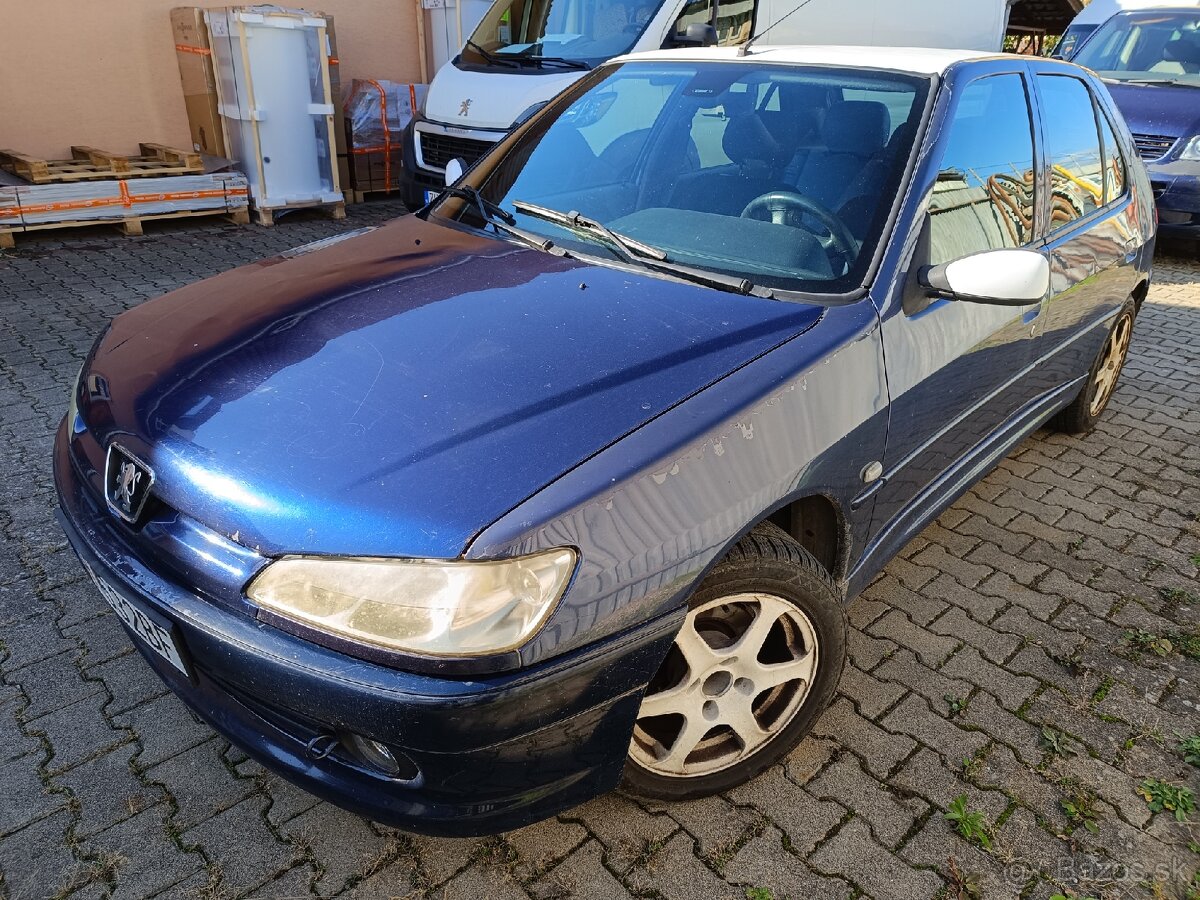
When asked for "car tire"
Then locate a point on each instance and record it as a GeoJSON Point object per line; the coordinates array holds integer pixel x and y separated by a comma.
{"type": "Point", "coordinates": [741, 720]}
{"type": "Point", "coordinates": [1085, 410]}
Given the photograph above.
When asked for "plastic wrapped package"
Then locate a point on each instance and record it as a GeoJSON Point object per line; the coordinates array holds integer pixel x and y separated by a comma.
{"type": "Point", "coordinates": [376, 114]}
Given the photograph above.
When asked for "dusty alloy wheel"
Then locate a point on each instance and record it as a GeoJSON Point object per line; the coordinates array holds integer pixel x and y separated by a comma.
{"type": "Point", "coordinates": [756, 660]}
{"type": "Point", "coordinates": [1084, 411]}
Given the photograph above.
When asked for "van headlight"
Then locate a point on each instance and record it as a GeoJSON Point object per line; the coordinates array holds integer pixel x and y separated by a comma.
{"type": "Point", "coordinates": [1191, 150]}
{"type": "Point", "coordinates": [433, 607]}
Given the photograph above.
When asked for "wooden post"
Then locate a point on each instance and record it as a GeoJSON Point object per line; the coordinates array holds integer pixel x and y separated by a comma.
{"type": "Point", "coordinates": [421, 45]}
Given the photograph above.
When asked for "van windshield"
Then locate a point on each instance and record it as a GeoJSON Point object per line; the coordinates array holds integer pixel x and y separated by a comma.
{"type": "Point", "coordinates": [781, 175]}
{"type": "Point", "coordinates": [536, 33]}
{"type": "Point", "coordinates": [1147, 47]}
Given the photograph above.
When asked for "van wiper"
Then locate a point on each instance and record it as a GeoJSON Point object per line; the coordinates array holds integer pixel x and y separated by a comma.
{"type": "Point", "coordinates": [638, 253]}
{"type": "Point", "coordinates": [561, 61]}
{"type": "Point", "coordinates": [498, 217]}
{"type": "Point", "coordinates": [492, 58]}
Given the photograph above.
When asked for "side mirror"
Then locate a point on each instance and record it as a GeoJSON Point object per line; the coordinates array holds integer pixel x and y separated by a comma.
{"type": "Point", "coordinates": [454, 170]}
{"type": "Point", "coordinates": [698, 34]}
{"type": "Point", "coordinates": [999, 277]}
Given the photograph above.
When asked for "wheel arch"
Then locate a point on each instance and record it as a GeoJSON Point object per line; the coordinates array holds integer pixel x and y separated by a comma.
{"type": "Point", "coordinates": [1139, 293]}
{"type": "Point", "coordinates": [819, 525]}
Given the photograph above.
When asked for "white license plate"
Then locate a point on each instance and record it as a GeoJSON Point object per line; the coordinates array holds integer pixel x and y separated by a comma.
{"type": "Point", "coordinates": [155, 636]}
{"type": "Point", "coordinates": [430, 196]}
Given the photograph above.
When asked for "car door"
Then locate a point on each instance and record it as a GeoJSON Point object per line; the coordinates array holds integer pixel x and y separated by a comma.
{"type": "Point", "coordinates": [957, 370]}
{"type": "Point", "coordinates": [1093, 232]}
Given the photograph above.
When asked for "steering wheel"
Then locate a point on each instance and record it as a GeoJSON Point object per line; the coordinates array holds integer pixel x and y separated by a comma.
{"type": "Point", "coordinates": [789, 208]}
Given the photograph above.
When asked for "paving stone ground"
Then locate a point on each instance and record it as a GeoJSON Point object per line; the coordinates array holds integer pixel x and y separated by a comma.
{"type": "Point", "coordinates": [1011, 656]}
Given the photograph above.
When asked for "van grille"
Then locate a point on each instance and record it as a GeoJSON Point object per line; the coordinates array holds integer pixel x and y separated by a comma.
{"type": "Point", "coordinates": [1153, 146]}
{"type": "Point", "coordinates": [439, 149]}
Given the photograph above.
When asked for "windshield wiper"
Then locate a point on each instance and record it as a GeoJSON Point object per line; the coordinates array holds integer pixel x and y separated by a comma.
{"type": "Point", "coordinates": [498, 217]}
{"type": "Point", "coordinates": [1149, 79]}
{"type": "Point", "coordinates": [638, 253]}
{"type": "Point", "coordinates": [492, 58]}
{"type": "Point", "coordinates": [561, 61]}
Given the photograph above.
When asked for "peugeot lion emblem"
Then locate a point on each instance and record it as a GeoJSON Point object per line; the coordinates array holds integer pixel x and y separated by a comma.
{"type": "Point", "coordinates": [127, 482]}
{"type": "Point", "coordinates": [465, 107]}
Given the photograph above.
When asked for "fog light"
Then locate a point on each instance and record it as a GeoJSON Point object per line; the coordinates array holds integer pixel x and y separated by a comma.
{"type": "Point", "coordinates": [381, 757]}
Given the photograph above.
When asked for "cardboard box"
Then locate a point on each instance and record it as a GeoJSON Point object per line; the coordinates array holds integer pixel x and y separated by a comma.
{"type": "Point", "coordinates": [194, 54]}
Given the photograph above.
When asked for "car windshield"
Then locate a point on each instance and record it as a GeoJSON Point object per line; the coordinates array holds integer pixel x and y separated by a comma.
{"type": "Point", "coordinates": [779, 175]}
{"type": "Point", "coordinates": [533, 32]}
{"type": "Point", "coordinates": [1159, 46]}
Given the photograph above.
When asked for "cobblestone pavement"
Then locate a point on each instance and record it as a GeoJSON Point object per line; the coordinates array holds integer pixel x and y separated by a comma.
{"type": "Point", "coordinates": [1016, 655]}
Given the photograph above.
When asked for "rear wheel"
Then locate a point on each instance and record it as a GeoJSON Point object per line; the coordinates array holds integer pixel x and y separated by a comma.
{"type": "Point", "coordinates": [757, 659]}
{"type": "Point", "coordinates": [1083, 413]}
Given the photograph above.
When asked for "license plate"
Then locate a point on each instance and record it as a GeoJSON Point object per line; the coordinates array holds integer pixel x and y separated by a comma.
{"type": "Point", "coordinates": [430, 196]}
{"type": "Point", "coordinates": [154, 634]}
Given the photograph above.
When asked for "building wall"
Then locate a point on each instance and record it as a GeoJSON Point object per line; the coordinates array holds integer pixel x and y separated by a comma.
{"type": "Point", "coordinates": [103, 72]}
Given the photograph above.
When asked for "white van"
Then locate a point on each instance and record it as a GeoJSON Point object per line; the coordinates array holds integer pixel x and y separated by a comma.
{"type": "Point", "coordinates": [524, 52]}
{"type": "Point", "coordinates": [1097, 13]}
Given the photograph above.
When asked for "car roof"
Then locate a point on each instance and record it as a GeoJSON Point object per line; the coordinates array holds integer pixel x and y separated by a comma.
{"type": "Point", "coordinates": [918, 60]}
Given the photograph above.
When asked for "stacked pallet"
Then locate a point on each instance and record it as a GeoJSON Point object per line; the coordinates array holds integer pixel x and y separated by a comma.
{"type": "Point", "coordinates": [97, 187]}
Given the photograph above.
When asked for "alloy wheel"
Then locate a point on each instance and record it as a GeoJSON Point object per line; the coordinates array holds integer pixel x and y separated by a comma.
{"type": "Point", "coordinates": [739, 671]}
{"type": "Point", "coordinates": [1111, 362]}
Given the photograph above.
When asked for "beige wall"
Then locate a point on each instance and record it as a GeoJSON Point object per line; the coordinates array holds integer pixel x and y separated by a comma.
{"type": "Point", "coordinates": [103, 72]}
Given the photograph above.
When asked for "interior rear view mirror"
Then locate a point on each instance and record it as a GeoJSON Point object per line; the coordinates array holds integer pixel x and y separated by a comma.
{"type": "Point", "coordinates": [1001, 277]}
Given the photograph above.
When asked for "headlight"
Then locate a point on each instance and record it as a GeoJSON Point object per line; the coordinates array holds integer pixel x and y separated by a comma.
{"type": "Point", "coordinates": [73, 402]}
{"type": "Point", "coordinates": [434, 607]}
{"type": "Point", "coordinates": [1191, 150]}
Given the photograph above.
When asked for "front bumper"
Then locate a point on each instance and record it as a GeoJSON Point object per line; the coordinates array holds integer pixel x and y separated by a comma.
{"type": "Point", "coordinates": [1177, 195]}
{"type": "Point", "coordinates": [419, 176]}
{"type": "Point", "coordinates": [493, 753]}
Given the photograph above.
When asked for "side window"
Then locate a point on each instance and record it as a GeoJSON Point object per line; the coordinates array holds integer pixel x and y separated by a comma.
{"type": "Point", "coordinates": [733, 22]}
{"type": "Point", "coordinates": [1072, 149]}
{"type": "Point", "coordinates": [695, 12]}
{"type": "Point", "coordinates": [985, 193]}
{"type": "Point", "coordinates": [1114, 163]}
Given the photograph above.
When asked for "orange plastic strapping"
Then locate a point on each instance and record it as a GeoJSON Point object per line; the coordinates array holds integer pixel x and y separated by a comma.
{"type": "Point", "coordinates": [199, 51]}
{"type": "Point", "coordinates": [387, 136]}
{"type": "Point", "coordinates": [126, 199]}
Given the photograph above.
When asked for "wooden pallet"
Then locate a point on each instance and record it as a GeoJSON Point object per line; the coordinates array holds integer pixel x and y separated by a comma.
{"type": "Point", "coordinates": [88, 163]}
{"type": "Point", "coordinates": [266, 217]}
{"type": "Point", "coordinates": [129, 225]}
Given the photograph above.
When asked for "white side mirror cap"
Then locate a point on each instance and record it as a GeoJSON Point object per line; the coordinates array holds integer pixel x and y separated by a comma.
{"type": "Point", "coordinates": [1002, 277]}
{"type": "Point", "coordinates": [454, 171]}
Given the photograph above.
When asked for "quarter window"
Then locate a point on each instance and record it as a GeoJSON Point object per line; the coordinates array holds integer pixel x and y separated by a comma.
{"type": "Point", "coordinates": [1072, 149]}
{"type": "Point", "coordinates": [985, 193]}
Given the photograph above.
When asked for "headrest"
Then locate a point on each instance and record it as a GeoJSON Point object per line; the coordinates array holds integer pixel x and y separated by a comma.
{"type": "Point", "coordinates": [1182, 50]}
{"type": "Point", "coordinates": [860, 127]}
{"type": "Point", "coordinates": [747, 140]}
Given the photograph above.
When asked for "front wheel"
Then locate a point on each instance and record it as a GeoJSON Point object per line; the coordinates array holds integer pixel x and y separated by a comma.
{"type": "Point", "coordinates": [758, 658]}
{"type": "Point", "coordinates": [1084, 411]}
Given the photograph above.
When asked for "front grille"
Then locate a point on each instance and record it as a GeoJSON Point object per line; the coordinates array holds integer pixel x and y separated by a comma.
{"type": "Point", "coordinates": [1153, 146]}
{"type": "Point", "coordinates": [439, 149]}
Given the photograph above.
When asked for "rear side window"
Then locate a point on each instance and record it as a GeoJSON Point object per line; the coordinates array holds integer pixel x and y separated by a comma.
{"type": "Point", "coordinates": [1114, 163]}
{"type": "Point", "coordinates": [986, 191]}
{"type": "Point", "coordinates": [1072, 149]}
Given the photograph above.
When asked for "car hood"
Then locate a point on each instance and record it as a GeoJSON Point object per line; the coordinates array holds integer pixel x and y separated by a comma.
{"type": "Point", "coordinates": [395, 393]}
{"type": "Point", "coordinates": [1160, 109]}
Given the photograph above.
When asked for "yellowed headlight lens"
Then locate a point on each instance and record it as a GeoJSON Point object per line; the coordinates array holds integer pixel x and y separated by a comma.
{"type": "Point", "coordinates": [433, 607]}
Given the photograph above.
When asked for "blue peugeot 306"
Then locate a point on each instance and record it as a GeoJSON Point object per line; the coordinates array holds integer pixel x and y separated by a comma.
{"type": "Point", "coordinates": [564, 482]}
